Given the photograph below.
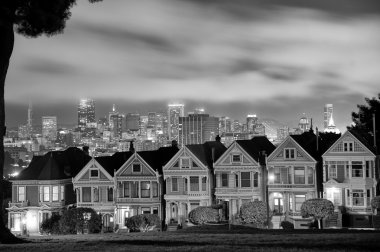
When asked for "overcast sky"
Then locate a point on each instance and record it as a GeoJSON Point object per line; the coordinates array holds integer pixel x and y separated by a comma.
{"type": "Point", "coordinates": [277, 60]}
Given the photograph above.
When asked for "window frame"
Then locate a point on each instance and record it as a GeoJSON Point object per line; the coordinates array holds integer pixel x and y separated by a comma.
{"type": "Point", "coordinates": [136, 165]}
{"type": "Point", "coordinates": [185, 167]}
{"type": "Point", "coordinates": [55, 195]}
{"type": "Point", "coordinates": [244, 180]}
{"type": "Point", "coordinates": [23, 194]}
{"type": "Point", "coordinates": [358, 170]}
{"type": "Point", "coordinates": [224, 180]}
{"type": "Point", "coordinates": [348, 146]}
{"type": "Point", "coordinates": [233, 155]}
{"type": "Point", "coordinates": [172, 184]}
{"type": "Point", "coordinates": [291, 152]}
{"type": "Point", "coordinates": [145, 190]}
{"type": "Point", "coordinates": [297, 176]}
{"type": "Point", "coordinates": [46, 195]}
{"type": "Point", "coordinates": [357, 196]}
{"type": "Point", "coordinates": [93, 170]}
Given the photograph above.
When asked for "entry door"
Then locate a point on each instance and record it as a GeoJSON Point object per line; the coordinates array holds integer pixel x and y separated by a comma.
{"type": "Point", "coordinates": [278, 205]}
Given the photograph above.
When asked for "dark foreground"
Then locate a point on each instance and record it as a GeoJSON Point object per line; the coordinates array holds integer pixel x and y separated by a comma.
{"type": "Point", "coordinates": [214, 238]}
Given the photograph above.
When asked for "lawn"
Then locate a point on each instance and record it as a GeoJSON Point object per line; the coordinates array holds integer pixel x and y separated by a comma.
{"type": "Point", "coordinates": [216, 238]}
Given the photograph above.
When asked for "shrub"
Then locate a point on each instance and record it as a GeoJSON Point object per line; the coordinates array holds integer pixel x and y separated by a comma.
{"type": "Point", "coordinates": [142, 222]}
{"type": "Point", "coordinates": [51, 225]}
{"type": "Point", "coordinates": [76, 219]}
{"type": "Point", "coordinates": [375, 202]}
{"type": "Point", "coordinates": [287, 225]}
{"type": "Point", "coordinates": [254, 212]}
{"type": "Point", "coordinates": [317, 208]}
{"type": "Point", "coordinates": [203, 214]}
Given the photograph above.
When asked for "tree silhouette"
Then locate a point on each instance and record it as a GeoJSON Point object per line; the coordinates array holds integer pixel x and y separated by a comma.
{"type": "Point", "coordinates": [363, 120]}
{"type": "Point", "coordinates": [30, 18]}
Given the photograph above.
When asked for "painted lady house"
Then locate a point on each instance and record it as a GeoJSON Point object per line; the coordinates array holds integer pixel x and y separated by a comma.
{"type": "Point", "coordinates": [349, 178]}
{"type": "Point", "coordinates": [43, 189]}
{"type": "Point", "coordinates": [292, 178]}
{"type": "Point", "coordinates": [94, 188]}
{"type": "Point", "coordinates": [189, 179]}
{"type": "Point", "coordinates": [239, 173]}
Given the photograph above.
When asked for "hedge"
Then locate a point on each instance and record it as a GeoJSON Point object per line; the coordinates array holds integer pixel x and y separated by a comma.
{"type": "Point", "coordinates": [287, 225]}
{"type": "Point", "coordinates": [51, 225]}
{"type": "Point", "coordinates": [73, 221]}
{"type": "Point", "coordinates": [203, 214]}
{"type": "Point", "coordinates": [375, 202]}
{"type": "Point", "coordinates": [142, 222]}
{"type": "Point", "coordinates": [254, 212]}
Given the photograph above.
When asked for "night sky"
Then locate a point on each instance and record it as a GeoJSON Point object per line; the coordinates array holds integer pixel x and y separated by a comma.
{"type": "Point", "coordinates": [277, 60]}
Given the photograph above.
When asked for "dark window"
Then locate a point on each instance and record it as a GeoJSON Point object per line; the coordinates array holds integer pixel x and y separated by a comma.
{"type": "Point", "coordinates": [154, 189]}
{"type": "Point", "coordinates": [256, 179]}
{"type": "Point", "coordinates": [174, 185]}
{"type": "Point", "coordinates": [224, 180]}
{"type": "Point", "coordinates": [136, 168]}
{"type": "Point", "coordinates": [134, 189]}
{"type": "Point", "coordinates": [299, 175]}
{"type": "Point", "coordinates": [94, 173]}
{"type": "Point", "coordinates": [236, 158]}
{"type": "Point", "coordinates": [110, 194]}
{"type": "Point", "coordinates": [126, 189]}
{"type": "Point", "coordinates": [194, 184]}
{"type": "Point", "coordinates": [86, 194]}
{"type": "Point", "coordinates": [204, 184]}
{"type": "Point", "coordinates": [245, 179]}
{"type": "Point", "coordinates": [357, 169]}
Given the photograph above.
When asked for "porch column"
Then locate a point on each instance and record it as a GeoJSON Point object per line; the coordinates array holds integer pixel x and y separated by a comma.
{"type": "Point", "coordinates": [150, 189]}
{"type": "Point", "coordinates": [180, 213]}
{"type": "Point", "coordinates": [188, 184]}
{"type": "Point", "coordinates": [286, 202]}
{"type": "Point", "coordinates": [168, 212]}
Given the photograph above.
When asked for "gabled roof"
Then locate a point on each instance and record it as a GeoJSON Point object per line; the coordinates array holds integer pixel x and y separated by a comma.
{"type": "Point", "coordinates": [55, 165]}
{"type": "Point", "coordinates": [199, 151]}
{"type": "Point", "coordinates": [107, 163]}
{"type": "Point", "coordinates": [256, 145]}
{"type": "Point", "coordinates": [164, 154]}
{"type": "Point", "coordinates": [214, 150]}
{"type": "Point", "coordinates": [150, 157]}
{"type": "Point", "coordinates": [363, 140]}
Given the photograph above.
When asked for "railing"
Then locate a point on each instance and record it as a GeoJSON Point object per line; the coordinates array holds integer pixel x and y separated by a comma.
{"type": "Point", "coordinates": [282, 186]}
{"type": "Point", "coordinates": [95, 204]}
{"type": "Point", "coordinates": [53, 203]}
{"type": "Point", "coordinates": [195, 194]}
{"type": "Point", "coordinates": [19, 204]}
{"type": "Point", "coordinates": [133, 200]}
{"type": "Point", "coordinates": [235, 190]}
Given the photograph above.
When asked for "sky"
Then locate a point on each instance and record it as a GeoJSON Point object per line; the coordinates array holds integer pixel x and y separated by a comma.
{"type": "Point", "coordinates": [275, 58]}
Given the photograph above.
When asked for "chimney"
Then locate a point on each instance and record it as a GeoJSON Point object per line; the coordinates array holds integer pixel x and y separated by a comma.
{"type": "Point", "coordinates": [217, 138]}
{"type": "Point", "coordinates": [317, 135]}
{"type": "Point", "coordinates": [262, 157]}
{"type": "Point", "coordinates": [85, 150]}
{"type": "Point", "coordinates": [175, 144]}
{"type": "Point", "coordinates": [131, 147]}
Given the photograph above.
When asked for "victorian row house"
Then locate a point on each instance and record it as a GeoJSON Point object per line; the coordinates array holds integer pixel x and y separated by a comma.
{"type": "Point", "coordinates": [171, 182]}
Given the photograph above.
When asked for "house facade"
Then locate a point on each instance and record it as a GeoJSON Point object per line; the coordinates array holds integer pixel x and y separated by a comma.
{"type": "Point", "coordinates": [94, 188]}
{"type": "Point", "coordinates": [239, 174]}
{"type": "Point", "coordinates": [138, 187]}
{"type": "Point", "coordinates": [291, 179]}
{"type": "Point", "coordinates": [349, 177]}
{"type": "Point", "coordinates": [43, 189]}
{"type": "Point", "coordinates": [187, 179]}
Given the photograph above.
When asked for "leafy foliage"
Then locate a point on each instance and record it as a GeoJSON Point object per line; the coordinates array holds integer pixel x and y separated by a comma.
{"type": "Point", "coordinates": [287, 225]}
{"type": "Point", "coordinates": [317, 208]}
{"type": "Point", "coordinates": [76, 219]}
{"type": "Point", "coordinates": [363, 119]}
{"type": "Point", "coordinates": [51, 225]}
{"type": "Point", "coordinates": [203, 214]}
{"type": "Point", "coordinates": [375, 202]}
{"type": "Point", "coordinates": [143, 222]}
{"type": "Point", "coordinates": [254, 212]}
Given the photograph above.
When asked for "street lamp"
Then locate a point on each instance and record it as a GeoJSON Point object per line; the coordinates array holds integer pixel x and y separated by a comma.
{"type": "Point", "coordinates": [270, 178]}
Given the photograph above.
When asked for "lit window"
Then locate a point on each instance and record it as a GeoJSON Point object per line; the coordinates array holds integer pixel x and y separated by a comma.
{"type": "Point", "coordinates": [194, 184]}
{"type": "Point", "coordinates": [62, 192]}
{"type": "Point", "coordinates": [136, 168]}
{"type": "Point", "coordinates": [46, 191]}
{"type": "Point", "coordinates": [332, 170]}
{"type": "Point", "coordinates": [55, 193]}
{"type": "Point", "coordinates": [357, 198]}
{"type": "Point", "coordinates": [96, 194]}
{"type": "Point", "coordinates": [236, 158]}
{"type": "Point", "coordinates": [357, 169]}
{"type": "Point", "coordinates": [15, 221]}
{"type": "Point", "coordinates": [154, 189]}
{"type": "Point", "coordinates": [86, 194]}
{"type": "Point", "coordinates": [145, 189]}
{"type": "Point", "coordinates": [21, 193]}
{"type": "Point", "coordinates": [290, 153]}
{"type": "Point", "coordinates": [299, 175]}
{"type": "Point", "coordinates": [94, 173]}
{"type": "Point", "coordinates": [310, 175]}
{"type": "Point", "coordinates": [299, 200]}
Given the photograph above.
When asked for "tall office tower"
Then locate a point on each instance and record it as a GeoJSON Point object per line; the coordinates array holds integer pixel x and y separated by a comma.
{"type": "Point", "coordinates": [225, 125]}
{"type": "Point", "coordinates": [327, 112]}
{"type": "Point", "coordinates": [23, 131]}
{"type": "Point", "coordinates": [117, 123]}
{"type": "Point", "coordinates": [152, 118]}
{"type": "Point", "coordinates": [49, 128]}
{"type": "Point", "coordinates": [251, 123]}
{"type": "Point", "coordinates": [282, 133]}
{"type": "Point", "coordinates": [113, 112]}
{"type": "Point", "coordinates": [236, 126]}
{"type": "Point", "coordinates": [174, 112]}
{"type": "Point", "coordinates": [86, 114]}
{"type": "Point", "coordinates": [143, 124]}
{"type": "Point", "coordinates": [133, 121]}
{"type": "Point", "coordinates": [197, 129]}
{"type": "Point", "coordinates": [259, 129]}
{"type": "Point", "coordinates": [199, 111]}
{"type": "Point", "coordinates": [29, 123]}
{"type": "Point", "coordinates": [160, 123]}
{"type": "Point", "coordinates": [303, 124]}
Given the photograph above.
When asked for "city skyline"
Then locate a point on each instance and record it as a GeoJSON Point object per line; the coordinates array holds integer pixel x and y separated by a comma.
{"type": "Point", "coordinates": [277, 60]}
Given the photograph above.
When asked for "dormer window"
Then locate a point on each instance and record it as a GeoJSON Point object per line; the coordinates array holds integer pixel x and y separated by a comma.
{"type": "Point", "coordinates": [94, 173]}
{"type": "Point", "coordinates": [185, 163]}
{"type": "Point", "coordinates": [236, 158]}
{"type": "Point", "coordinates": [136, 168]}
{"type": "Point", "coordinates": [290, 153]}
{"type": "Point", "coordinates": [348, 146]}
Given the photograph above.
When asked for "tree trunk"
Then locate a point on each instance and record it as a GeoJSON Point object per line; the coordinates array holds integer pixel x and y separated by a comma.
{"type": "Point", "coordinates": [6, 48]}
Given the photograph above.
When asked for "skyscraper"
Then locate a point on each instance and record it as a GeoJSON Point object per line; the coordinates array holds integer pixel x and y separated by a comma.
{"type": "Point", "coordinates": [133, 121]}
{"type": "Point", "coordinates": [86, 114]}
{"type": "Point", "coordinates": [174, 112]}
{"type": "Point", "coordinates": [197, 128]}
{"type": "Point", "coordinates": [49, 128]}
{"type": "Point", "coordinates": [327, 112]}
{"type": "Point", "coordinates": [251, 123]}
{"type": "Point", "coordinates": [30, 120]}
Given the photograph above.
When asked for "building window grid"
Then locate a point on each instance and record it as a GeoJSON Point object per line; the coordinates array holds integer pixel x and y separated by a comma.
{"type": "Point", "coordinates": [299, 199]}
{"type": "Point", "coordinates": [368, 197]}
{"type": "Point", "coordinates": [224, 178]}
{"type": "Point", "coordinates": [299, 175]}
{"type": "Point", "coordinates": [55, 193]}
{"type": "Point", "coordinates": [46, 193]}
{"type": "Point", "coordinates": [348, 197]}
{"type": "Point", "coordinates": [245, 179]}
{"type": "Point", "coordinates": [310, 175]}
{"type": "Point", "coordinates": [145, 189]}
{"type": "Point", "coordinates": [289, 153]}
{"type": "Point", "coordinates": [357, 198]}
{"type": "Point", "coordinates": [256, 179]}
{"type": "Point", "coordinates": [194, 184]}
{"type": "Point", "coordinates": [348, 146]}
{"type": "Point", "coordinates": [204, 184]}
{"type": "Point", "coordinates": [357, 169]}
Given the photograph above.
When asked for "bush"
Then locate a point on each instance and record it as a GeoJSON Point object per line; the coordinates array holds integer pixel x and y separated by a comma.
{"type": "Point", "coordinates": [317, 208]}
{"type": "Point", "coordinates": [77, 219]}
{"type": "Point", "coordinates": [143, 222]}
{"type": "Point", "coordinates": [254, 212]}
{"type": "Point", "coordinates": [287, 225]}
{"type": "Point", "coordinates": [51, 225]}
{"type": "Point", "coordinates": [203, 214]}
{"type": "Point", "coordinates": [375, 202]}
